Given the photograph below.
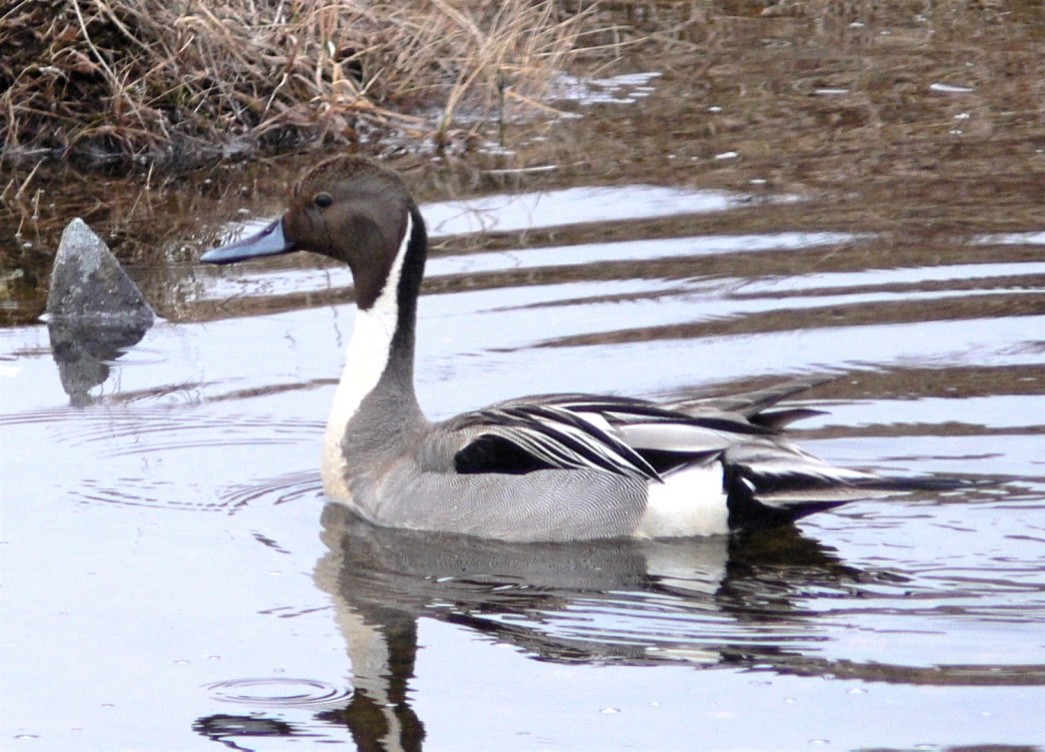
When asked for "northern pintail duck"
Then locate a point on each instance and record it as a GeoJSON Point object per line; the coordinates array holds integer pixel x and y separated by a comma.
{"type": "Point", "coordinates": [555, 467]}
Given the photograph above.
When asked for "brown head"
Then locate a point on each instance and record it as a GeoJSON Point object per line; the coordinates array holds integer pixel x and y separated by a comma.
{"type": "Point", "coordinates": [347, 208]}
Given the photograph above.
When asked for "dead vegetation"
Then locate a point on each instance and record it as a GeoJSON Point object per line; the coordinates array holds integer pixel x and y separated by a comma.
{"type": "Point", "coordinates": [174, 82]}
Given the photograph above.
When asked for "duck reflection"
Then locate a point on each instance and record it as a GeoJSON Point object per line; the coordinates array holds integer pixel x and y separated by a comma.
{"type": "Point", "coordinates": [721, 601]}
{"type": "Point", "coordinates": [617, 601]}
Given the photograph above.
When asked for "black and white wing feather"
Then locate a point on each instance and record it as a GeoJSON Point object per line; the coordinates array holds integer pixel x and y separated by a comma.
{"type": "Point", "coordinates": [523, 436]}
{"type": "Point", "coordinates": [630, 437]}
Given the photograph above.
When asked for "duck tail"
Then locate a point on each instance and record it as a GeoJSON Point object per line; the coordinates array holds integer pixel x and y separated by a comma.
{"type": "Point", "coordinates": [758, 499]}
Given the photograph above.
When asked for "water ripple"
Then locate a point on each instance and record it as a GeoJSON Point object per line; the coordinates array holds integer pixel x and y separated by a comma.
{"type": "Point", "coordinates": [173, 457]}
{"type": "Point", "coordinates": [283, 692]}
{"type": "Point", "coordinates": [280, 489]}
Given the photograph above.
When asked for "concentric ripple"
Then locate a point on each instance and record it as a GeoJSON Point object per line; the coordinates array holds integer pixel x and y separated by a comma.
{"type": "Point", "coordinates": [282, 692]}
{"type": "Point", "coordinates": [281, 489]}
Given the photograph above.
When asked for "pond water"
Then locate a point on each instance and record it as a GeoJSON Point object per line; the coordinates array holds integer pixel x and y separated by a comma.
{"type": "Point", "coordinates": [173, 578]}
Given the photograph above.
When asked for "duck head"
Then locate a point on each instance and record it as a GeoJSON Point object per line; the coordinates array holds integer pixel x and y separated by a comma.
{"type": "Point", "coordinates": [347, 208]}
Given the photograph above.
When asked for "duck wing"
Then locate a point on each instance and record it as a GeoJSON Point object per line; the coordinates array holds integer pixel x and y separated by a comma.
{"type": "Point", "coordinates": [630, 437]}
{"type": "Point", "coordinates": [522, 436]}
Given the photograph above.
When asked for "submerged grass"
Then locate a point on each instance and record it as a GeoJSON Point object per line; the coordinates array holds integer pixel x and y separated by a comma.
{"type": "Point", "coordinates": [174, 82]}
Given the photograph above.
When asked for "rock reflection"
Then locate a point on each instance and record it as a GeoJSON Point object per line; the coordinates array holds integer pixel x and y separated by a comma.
{"type": "Point", "coordinates": [225, 728]}
{"type": "Point", "coordinates": [83, 349]}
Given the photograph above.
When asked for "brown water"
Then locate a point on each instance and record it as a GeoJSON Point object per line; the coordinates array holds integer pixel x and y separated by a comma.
{"type": "Point", "coordinates": [173, 580]}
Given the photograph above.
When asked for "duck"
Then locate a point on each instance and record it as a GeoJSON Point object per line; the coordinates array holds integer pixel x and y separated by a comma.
{"type": "Point", "coordinates": [544, 468]}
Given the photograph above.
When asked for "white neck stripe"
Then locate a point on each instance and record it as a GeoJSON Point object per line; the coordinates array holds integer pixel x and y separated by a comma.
{"type": "Point", "coordinates": [367, 357]}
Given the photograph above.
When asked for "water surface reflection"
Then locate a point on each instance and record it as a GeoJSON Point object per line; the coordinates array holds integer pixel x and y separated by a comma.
{"type": "Point", "coordinates": [742, 603]}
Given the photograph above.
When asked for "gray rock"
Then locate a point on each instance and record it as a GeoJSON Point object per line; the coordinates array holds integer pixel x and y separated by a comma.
{"type": "Point", "coordinates": [95, 312]}
{"type": "Point", "coordinates": [88, 283]}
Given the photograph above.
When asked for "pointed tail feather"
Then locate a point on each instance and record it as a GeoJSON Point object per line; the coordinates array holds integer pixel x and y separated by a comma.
{"type": "Point", "coordinates": [757, 501]}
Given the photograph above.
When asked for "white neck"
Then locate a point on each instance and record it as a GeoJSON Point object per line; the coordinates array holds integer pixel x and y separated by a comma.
{"type": "Point", "coordinates": [365, 361]}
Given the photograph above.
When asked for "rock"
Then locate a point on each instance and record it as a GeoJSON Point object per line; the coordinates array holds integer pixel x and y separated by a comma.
{"type": "Point", "coordinates": [87, 282]}
{"type": "Point", "coordinates": [95, 312]}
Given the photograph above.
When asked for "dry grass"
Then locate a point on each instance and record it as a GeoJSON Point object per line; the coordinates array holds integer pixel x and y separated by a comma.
{"type": "Point", "coordinates": [173, 81]}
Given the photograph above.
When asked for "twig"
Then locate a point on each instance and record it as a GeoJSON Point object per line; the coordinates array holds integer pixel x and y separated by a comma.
{"type": "Point", "coordinates": [94, 50]}
{"type": "Point", "coordinates": [25, 183]}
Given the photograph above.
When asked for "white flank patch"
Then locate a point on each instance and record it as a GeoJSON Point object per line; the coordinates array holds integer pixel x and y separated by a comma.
{"type": "Point", "coordinates": [689, 502]}
{"type": "Point", "coordinates": [365, 361]}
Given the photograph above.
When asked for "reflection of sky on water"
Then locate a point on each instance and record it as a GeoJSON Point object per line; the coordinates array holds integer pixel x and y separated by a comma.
{"type": "Point", "coordinates": [503, 213]}
{"type": "Point", "coordinates": [238, 282]}
{"type": "Point", "coordinates": [626, 88]}
{"type": "Point", "coordinates": [532, 211]}
{"type": "Point", "coordinates": [569, 206]}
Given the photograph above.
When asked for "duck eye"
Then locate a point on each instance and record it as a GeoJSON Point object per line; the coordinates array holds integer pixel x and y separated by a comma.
{"type": "Point", "coordinates": [322, 200]}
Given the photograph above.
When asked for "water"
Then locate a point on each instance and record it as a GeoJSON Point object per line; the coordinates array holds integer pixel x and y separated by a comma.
{"type": "Point", "coordinates": [858, 196]}
{"type": "Point", "coordinates": [169, 580]}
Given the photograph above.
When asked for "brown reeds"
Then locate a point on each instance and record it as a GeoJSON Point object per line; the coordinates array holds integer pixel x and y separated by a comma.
{"type": "Point", "coordinates": [180, 80]}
